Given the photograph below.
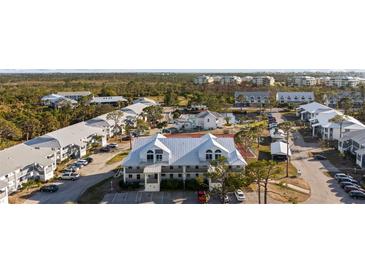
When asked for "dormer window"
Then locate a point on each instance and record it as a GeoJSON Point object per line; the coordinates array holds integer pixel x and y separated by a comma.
{"type": "Point", "coordinates": [158, 153]}
{"type": "Point", "coordinates": [150, 156]}
{"type": "Point", "coordinates": [217, 154]}
{"type": "Point", "coordinates": [209, 155]}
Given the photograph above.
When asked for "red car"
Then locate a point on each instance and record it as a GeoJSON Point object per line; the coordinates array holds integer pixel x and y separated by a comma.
{"type": "Point", "coordinates": [203, 197]}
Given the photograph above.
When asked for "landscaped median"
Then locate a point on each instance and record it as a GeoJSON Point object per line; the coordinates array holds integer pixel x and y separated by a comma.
{"type": "Point", "coordinates": [117, 158]}
{"type": "Point", "coordinates": [96, 193]}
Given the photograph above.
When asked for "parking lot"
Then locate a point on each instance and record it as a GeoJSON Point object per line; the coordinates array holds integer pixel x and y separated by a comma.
{"type": "Point", "coordinates": [162, 197]}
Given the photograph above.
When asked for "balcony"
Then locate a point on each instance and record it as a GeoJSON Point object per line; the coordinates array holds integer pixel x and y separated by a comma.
{"type": "Point", "coordinates": [193, 169]}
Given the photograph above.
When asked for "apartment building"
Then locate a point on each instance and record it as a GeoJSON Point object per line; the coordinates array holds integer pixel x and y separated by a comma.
{"type": "Point", "coordinates": [75, 95]}
{"type": "Point", "coordinates": [263, 81]}
{"type": "Point", "coordinates": [342, 81]}
{"type": "Point", "coordinates": [323, 127]}
{"type": "Point", "coordinates": [354, 144]}
{"type": "Point", "coordinates": [230, 80]}
{"type": "Point", "coordinates": [156, 158]}
{"type": "Point", "coordinates": [251, 98]}
{"type": "Point", "coordinates": [57, 101]}
{"type": "Point", "coordinates": [22, 162]}
{"type": "Point", "coordinates": [206, 120]}
{"type": "Point", "coordinates": [334, 100]}
{"type": "Point", "coordinates": [294, 97]}
{"type": "Point", "coordinates": [203, 79]}
{"type": "Point", "coordinates": [108, 100]}
{"type": "Point", "coordinates": [3, 192]}
{"type": "Point", "coordinates": [302, 81]}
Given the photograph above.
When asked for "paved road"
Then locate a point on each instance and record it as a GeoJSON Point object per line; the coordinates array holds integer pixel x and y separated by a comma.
{"type": "Point", "coordinates": [324, 189]}
{"type": "Point", "coordinates": [69, 191]}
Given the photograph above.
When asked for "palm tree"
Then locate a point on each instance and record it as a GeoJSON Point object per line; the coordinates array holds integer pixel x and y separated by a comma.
{"type": "Point", "coordinates": [339, 119]}
{"type": "Point", "coordinates": [287, 128]}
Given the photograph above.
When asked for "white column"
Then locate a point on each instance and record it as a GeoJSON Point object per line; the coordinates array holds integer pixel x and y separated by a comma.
{"type": "Point", "coordinates": [124, 175]}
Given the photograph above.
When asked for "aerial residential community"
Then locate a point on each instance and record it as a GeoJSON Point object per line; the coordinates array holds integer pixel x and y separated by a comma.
{"type": "Point", "coordinates": [182, 138]}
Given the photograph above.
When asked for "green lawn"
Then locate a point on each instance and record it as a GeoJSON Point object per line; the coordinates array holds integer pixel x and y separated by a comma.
{"type": "Point", "coordinates": [117, 158]}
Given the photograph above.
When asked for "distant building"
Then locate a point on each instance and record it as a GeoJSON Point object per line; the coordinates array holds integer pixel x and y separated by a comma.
{"type": "Point", "coordinates": [203, 79]}
{"type": "Point", "coordinates": [230, 80]}
{"type": "Point", "coordinates": [251, 98]}
{"type": "Point", "coordinates": [354, 144]}
{"type": "Point", "coordinates": [263, 81]}
{"type": "Point", "coordinates": [302, 81]}
{"type": "Point", "coordinates": [75, 95]}
{"type": "Point", "coordinates": [294, 97]}
{"type": "Point", "coordinates": [108, 100]}
{"type": "Point", "coordinates": [146, 101]}
{"type": "Point", "coordinates": [333, 100]}
{"type": "Point", "coordinates": [247, 79]}
{"type": "Point", "coordinates": [57, 101]}
{"type": "Point", "coordinates": [204, 120]}
{"type": "Point", "coordinates": [342, 81]}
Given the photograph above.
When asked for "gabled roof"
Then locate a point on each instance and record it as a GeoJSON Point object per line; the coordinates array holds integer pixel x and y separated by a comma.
{"type": "Point", "coordinates": [135, 109]}
{"type": "Point", "coordinates": [357, 136]}
{"type": "Point", "coordinates": [313, 107]}
{"type": "Point", "coordinates": [205, 113]}
{"type": "Point", "coordinates": [252, 93]}
{"type": "Point", "coordinates": [185, 151]}
{"type": "Point", "coordinates": [295, 93]}
{"type": "Point", "coordinates": [74, 93]}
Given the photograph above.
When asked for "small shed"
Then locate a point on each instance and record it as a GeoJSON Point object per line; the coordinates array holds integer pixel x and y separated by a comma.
{"type": "Point", "coordinates": [279, 150]}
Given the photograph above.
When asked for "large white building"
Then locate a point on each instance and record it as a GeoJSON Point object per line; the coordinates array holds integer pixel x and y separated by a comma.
{"type": "Point", "coordinates": [38, 157]}
{"type": "Point", "coordinates": [320, 116]}
{"type": "Point", "coordinates": [157, 158]}
{"type": "Point", "coordinates": [354, 143]}
{"type": "Point", "coordinates": [342, 81]}
{"type": "Point", "coordinates": [302, 81]}
{"type": "Point", "coordinates": [75, 95]}
{"type": "Point", "coordinates": [263, 81]}
{"type": "Point", "coordinates": [294, 97]}
{"type": "Point", "coordinates": [3, 192]}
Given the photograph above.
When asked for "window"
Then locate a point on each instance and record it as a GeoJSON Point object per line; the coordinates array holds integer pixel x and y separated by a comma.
{"type": "Point", "coordinates": [130, 176]}
{"type": "Point", "coordinates": [171, 167]}
{"type": "Point", "coordinates": [217, 154]}
{"type": "Point", "coordinates": [209, 155]}
{"type": "Point", "coordinates": [158, 153]}
{"type": "Point", "coordinates": [163, 174]}
{"type": "Point", "coordinates": [138, 176]}
{"type": "Point", "coordinates": [150, 156]}
{"type": "Point", "coordinates": [196, 167]}
{"type": "Point", "coordinates": [171, 176]}
{"type": "Point", "coordinates": [208, 120]}
{"type": "Point", "coordinates": [188, 175]}
{"type": "Point", "coordinates": [180, 175]}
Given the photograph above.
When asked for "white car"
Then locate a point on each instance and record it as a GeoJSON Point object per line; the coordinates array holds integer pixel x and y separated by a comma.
{"type": "Point", "coordinates": [70, 176]}
{"type": "Point", "coordinates": [240, 195]}
{"type": "Point", "coordinates": [83, 162]}
{"type": "Point", "coordinates": [342, 176]}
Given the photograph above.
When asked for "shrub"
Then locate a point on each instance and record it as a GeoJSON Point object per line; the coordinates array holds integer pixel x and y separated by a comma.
{"type": "Point", "coordinates": [193, 185]}
{"type": "Point", "coordinates": [171, 184]}
{"type": "Point", "coordinates": [129, 186]}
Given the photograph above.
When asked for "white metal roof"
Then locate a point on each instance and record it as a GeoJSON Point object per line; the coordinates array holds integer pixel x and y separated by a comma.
{"type": "Point", "coordinates": [21, 155]}
{"type": "Point", "coordinates": [279, 148]}
{"type": "Point", "coordinates": [108, 99]}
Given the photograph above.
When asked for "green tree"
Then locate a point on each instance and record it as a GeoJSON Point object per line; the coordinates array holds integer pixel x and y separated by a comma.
{"type": "Point", "coordinates": [153, 114]}
{"type": "Point", "coordinates": [220, 174]}
{"type": "Point", "coordinates": [346, 104]}
{"type": "Point", "coordinates": [117, 118]}
{"type": "Point", "coordinates": [49, 123]}
{"type": "Point", "coordinates": [256, 173]}
{"type": "Point", "coordinates": [8, 131]}
{"type": "Point", "coordinates": [287, 127]}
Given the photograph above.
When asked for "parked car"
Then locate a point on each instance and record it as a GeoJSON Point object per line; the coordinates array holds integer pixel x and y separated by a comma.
{"type": "Point", "coordinates": [77, 164]}
{"type": "Point", "coordinates": [82, 162]}
{"type": "Point", "coordinates": [112, 145]}
{"type": "Point", "coordinates": [73, 167]}
{"type": "Point", "coordinates": [70, 176]}
{"type": "Point", "coordinates": [49, 188]}
{"type": "Point", "coordinates": [341, 175]}
{"type": "Point", "coordinates": [348, 180]}
{"type": "Point", "coordinates": [319, 157]}
{"type": "Point", "coordinates": [70, 169]}
{"type": "Point", "coordinates": [203, 197]}
{"type": "Point", "coordinates": [349, 188]}
{"type": "Point", "coordinates": [345, 183]}
{"type": "Point", "coordinates": [357, 194]}
{"type": "Point", "coordinates": [225, 199]}
{"type": "Point", "coordinates": [105, 149]}
{"type": "Point", "coordinates": [240, 195]}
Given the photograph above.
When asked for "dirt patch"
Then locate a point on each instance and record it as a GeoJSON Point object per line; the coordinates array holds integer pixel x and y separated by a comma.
{"type": "Point", "coordinates": [284, 194]}
{"type": "Point", "coordinates": [299, 182]}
